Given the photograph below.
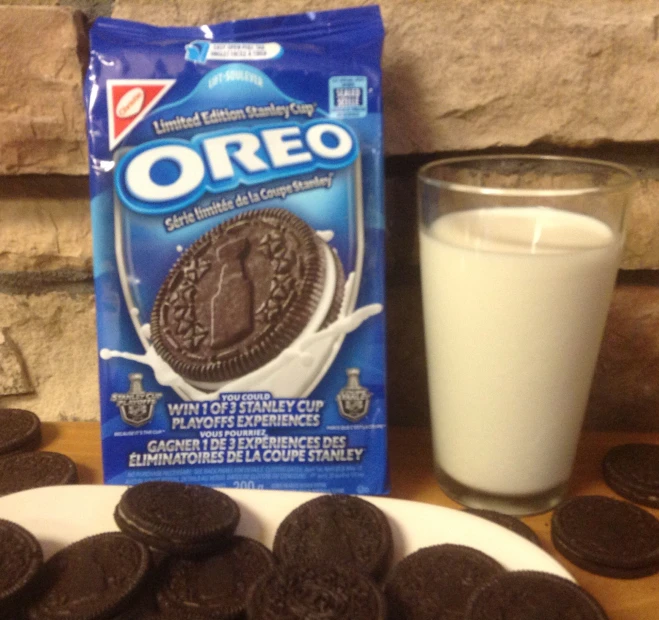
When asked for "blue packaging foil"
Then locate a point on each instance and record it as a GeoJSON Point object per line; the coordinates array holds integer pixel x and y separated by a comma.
{"type": "Point", "coordinates": [188, 129]}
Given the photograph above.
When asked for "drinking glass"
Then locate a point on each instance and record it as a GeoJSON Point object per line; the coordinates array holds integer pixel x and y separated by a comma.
{"type": "Point", "coordinates": [519, 256]}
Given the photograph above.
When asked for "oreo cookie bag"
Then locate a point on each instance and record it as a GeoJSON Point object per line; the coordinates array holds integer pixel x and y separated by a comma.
{"type": "Point", "coordinates": [238, 224]}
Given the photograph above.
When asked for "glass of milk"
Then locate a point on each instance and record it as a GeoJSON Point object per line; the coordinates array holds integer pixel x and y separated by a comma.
{"type": "Point", "coordinates": [519, 256]}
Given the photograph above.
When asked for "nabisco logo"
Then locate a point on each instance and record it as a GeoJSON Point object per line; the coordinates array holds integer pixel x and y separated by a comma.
{"type": "Point", "coordinates": [131, 103]}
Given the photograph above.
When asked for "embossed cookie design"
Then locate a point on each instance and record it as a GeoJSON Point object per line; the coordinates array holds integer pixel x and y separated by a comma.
{"type": "Point", "coordinates": [242, 293]}
{"type": "Point", "coordinates": [606, 536]}
{"type": "Point", "coordinates": [336, 529]}
{"type": "Point", "coordinates": [435, 583]}
{"type": "Point", "coordinates": [92, 579]}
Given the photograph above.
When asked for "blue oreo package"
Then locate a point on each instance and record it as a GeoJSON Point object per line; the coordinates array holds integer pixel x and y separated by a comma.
{"type": "Point", "coordinates": [238, 227]}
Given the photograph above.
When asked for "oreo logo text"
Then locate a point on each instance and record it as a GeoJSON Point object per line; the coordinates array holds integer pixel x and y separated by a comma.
{"type": "Point", "coordinates": [166, 175]}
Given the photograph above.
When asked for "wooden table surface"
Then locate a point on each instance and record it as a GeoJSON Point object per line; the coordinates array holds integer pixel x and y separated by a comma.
{"type": "Point", "coordinates": [412, 478]}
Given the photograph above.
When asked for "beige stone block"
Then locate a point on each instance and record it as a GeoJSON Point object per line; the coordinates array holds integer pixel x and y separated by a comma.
{"type": "Point", "coordinates": [45, 224]}
{"type": "Point", "coordinates": [642, 243]}
{"type": "Point", "coordinates": [42, 126]}
{"type": "Point", "coordinates": [91, 8]}
{"type": "Point", "coordinates": [30, 2]}
{"type": "Point", "coordinates": [56, 336]}
{"type": "Point", "coordinates": [13, 374]}
{"type": "Point", "coordinates": [483, 73]}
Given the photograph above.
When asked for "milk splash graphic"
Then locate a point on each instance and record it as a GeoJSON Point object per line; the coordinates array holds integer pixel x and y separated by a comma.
{"type": "Point", "coordinates": [294, 372]}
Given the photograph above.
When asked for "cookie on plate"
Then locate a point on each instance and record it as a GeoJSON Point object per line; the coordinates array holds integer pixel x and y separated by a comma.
{"type": "Point", "coordinates": [242, 293]}
{"type": "Point", "coordinates": [95, 578]}
{"type": "Point", "coordinates": [333, 592]}
{"type": "Point", "coordinates": [31, 470]}
{"type": "Point", "coordinates": [336, 529]}
{"type": "Point", "coordinates": [532, 595]}
{"type": "Point", "coordinates": [20, 560]}
{"type": "Point", "coordinates": [632, 471]}
{"type": "Point", "coordinates": [435, 583]}
{"type": "Point", "coordinates": [508, 521]}
{"type": "Point", "coordinates": [607, 536]}
{"type": "Point", "coordinates": [183, 519]}
{"type": "Point", "coordinates": [213, 586]}
{"type": "Point", "coordinates": [20, 430]}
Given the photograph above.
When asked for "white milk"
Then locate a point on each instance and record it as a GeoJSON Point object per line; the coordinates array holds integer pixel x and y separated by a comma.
{"type": "Point", "coordinates": [515, 302]}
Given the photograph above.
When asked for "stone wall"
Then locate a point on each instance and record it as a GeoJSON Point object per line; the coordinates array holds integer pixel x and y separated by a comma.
{"type": "Point", "coordinates": [467, 76]}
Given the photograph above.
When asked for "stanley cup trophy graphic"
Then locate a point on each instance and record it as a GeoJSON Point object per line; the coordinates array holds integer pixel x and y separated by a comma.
{"type": "Point", "coordinates": [353, 399]}
{"type": "Point", "coordinates": [136, 405]}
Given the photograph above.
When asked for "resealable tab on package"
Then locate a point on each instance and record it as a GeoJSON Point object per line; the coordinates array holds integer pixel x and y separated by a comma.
{"type": "Point", "coordinates": [238, 222]}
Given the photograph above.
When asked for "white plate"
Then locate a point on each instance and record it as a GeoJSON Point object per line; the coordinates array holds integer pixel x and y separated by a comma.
{"type": "Point", "coordinates": [58, 516]}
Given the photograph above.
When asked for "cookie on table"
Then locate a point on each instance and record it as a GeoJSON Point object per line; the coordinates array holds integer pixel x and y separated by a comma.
{"type": "Point", "coordinates": [184, 519]}
{"type": "Point", "coordinates": [435, 583]}
{"type": "Point", "coordinates": [241, 294]}
{"type": "Point", "coordinates": [607, 536]}
{"type": "Point", "coordinates": [31, 470]}
{"type": "Point", "coordinates": [333, 592]}
{"type": "Point", "coordinates": [336, 529]}
{"type": "Point", "coordinates": [532, 595]}
{"type": "Point", "coordinates": [213, 587]}
{"type": "Point", "coordinates": [509, 522]}
{"type": "Point", "coordinates": [20, 560]}
{"type": "Point", "coordinates": [96, 578]}
{"type": "Point", "coordinates": [20, 430]}
{"type": "Point", "coordinates": [632, 471]}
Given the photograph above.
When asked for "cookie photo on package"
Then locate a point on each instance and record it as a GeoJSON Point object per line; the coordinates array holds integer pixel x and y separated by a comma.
{"type": "Point", "coordinates": [236, 176]}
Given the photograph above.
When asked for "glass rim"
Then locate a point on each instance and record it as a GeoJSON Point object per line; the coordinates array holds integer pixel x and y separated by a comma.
{"type": "Point", "coordinates": [630, 177]}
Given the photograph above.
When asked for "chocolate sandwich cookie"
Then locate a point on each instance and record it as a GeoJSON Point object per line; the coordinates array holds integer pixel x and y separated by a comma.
{"type": "Point", "coordinates": [335, 592]}
{"type": "Point", "coordinates": [93, 579]}
{"type": "Point", "coordinates": [632, 470]}
{"type": "Point", "coordinates": [30, 470]}
{"type": "Point", "coordinates": [184, 519]}
{"type": "Point", "coordinates": [435, 583]}
{"type": "Point", "coordinates": [213, 586]}
{"type": "Point", "coordinates": [532, 595]}
{"type": "Point", "coordinates": [509, 522]}
{"type": "Point", "coordinates": [336, 529]}
{"type": "Point", "coordinates": [606, 536]}
{"type": "Point", "coordinates": [20, 430]}
{"type": "Point", "coordinates": [239, 295]}
{"type": "Point", "coordinates": [20, 560]}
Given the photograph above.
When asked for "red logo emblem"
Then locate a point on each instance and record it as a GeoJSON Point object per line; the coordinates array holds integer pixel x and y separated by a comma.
{"type": "Point", "coordinates": [129, 101]}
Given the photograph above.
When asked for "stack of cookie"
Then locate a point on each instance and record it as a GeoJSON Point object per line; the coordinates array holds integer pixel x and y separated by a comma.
{"type": "Point", "coordinates": [177, 557]}
{"type": "Point", "coordinates": [455, 582]}
{"type": "Point", "coordinates": [333, 555]}
{"type": "Point", "coordinates": [21, 467]}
